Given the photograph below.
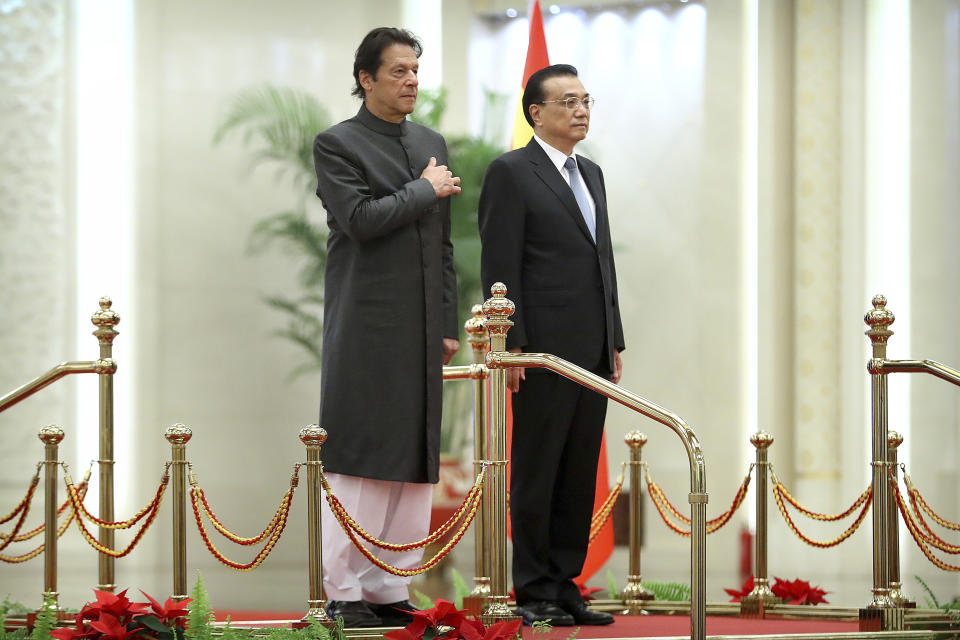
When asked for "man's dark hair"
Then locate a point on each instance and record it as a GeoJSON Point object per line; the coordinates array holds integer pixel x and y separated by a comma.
{"type": "Point", "coordinates": [369, 54]}
{"type": "Point", "coordinates": [533, 94]}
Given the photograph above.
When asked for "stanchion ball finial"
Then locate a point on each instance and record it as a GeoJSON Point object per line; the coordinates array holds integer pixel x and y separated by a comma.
{"type": "Point", "coordinates": [879, 319]}
{"type": "Point", "coordinates": [761, 440]}
{"type": "Point", "coordinates": [51, 434]}
{"type": "Point", "coordinates": [106, 316]}
{"type": "Point", "coordinates": [894, 439]}
{"type": "Point", "coordinates": [178, 434]}
{"type": "Point", "coordinates": [635, 439]}
{"type": "Point", "coordinates": [498, 308]}
{"type": "Point", "coordinates": [313, 435]}
{"type": "Point", "coordinates": [474, 324]}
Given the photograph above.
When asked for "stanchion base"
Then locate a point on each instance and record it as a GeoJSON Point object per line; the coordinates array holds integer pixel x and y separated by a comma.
{"type": "Point", "coordinates": [881, 619]}
{"type": "Point", "coordinates": [756, 607]}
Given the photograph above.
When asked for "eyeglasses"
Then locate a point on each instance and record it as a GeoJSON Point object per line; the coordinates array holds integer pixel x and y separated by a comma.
{"type": "Point", "coordinates": [573, 103]}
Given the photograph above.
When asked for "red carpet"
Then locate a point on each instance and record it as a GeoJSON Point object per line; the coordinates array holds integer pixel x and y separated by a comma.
{"type": "Point", "coordinates": [624, 627]}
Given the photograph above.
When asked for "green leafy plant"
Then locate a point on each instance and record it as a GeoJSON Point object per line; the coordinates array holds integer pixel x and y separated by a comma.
{"type": "Point", "coordinates": [12, 608]}
{"type": "Point", "coordinates": [200, 617]}
{"type": "Point", "coordinates": [671, 591]}
{"type": "Point", "coordinates": [46, 619]}
{"type": "Point", "coordinates": [952, 607]}
{"type": "Point", "coordinates": [541, 627]}
{"type": "Point", "coordinates": [613, 590]}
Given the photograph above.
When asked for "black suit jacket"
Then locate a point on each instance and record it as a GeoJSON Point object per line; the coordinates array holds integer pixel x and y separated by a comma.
{"type": "Point", "coordinates": [536, 242]}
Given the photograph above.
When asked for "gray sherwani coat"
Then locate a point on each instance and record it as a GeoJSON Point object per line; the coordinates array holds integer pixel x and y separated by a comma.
{"type": "Point", "coordinates": [390, 298]}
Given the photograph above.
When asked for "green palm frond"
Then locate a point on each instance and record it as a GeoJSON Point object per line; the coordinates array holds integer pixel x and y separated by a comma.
{"type": "Point", "coordinates": [670, 591]}
{"type": "Point", "coordinates": [278, 124]}
{"type": "Point", "coordinates": [297, 232]}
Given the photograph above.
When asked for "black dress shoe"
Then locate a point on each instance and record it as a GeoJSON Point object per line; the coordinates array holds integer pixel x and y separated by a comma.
{"type": "Point", "coordinates": [355, 613]}
{"type": "Point", "coordinates": [394, 614]}
{"type": "Point", "coordinates": [582, 614]}
{"type": "Point", "coordinates": [542, 611]}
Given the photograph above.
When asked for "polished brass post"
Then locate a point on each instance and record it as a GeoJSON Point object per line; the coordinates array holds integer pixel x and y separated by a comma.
{"type": "Point", "coordinates": [479, 345]}
{"type": "Point", "coordinates": [313, 436]}
{"type": "Point", "coordinates": [498, 310]}
{"type": "Point", "coordinates": [51, 436]}
{"type": "Point", "coordinates": [105, 320]}
{"type": "Point", "coordinates": [754, 604]}
{"type": "Point", "coordinates": [635, 593]}
{"type": "Point", "coordinates": [178, 435]}
{"type": "Point", "coordinates": [894, 440]}
{"type": "Point", "coordinates": [881, 614]}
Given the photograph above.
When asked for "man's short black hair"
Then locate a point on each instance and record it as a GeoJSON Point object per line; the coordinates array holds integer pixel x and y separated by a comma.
{"type": "Point", "coordinates": [369, 53]}
{"type": "Point", "coordinates": [533, 94]}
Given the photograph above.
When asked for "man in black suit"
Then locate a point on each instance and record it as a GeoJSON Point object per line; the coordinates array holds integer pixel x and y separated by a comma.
{"type": "Point", "coordinates": [545, 234]}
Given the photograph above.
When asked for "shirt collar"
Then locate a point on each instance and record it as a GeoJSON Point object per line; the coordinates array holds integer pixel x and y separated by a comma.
{"type": "Point", "coordinates": [556, 156]}
{"type": "Point", "coordinates": [372, 122]}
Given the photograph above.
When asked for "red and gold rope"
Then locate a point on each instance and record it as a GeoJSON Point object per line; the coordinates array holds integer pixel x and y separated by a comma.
{"type": "Point", "coordinates": [347, 522]}
{"type": "Point", "coordinates": [471, 513]}
{"type": "Point", "coordinates": [125, 524]}
{"type": "Point", "coordinates": [279, 524]}
{"type": "Point", "coordinates": [154, 508]}
{"type": "Point", "coordinates": [820, 516]}
{"type": "Point", "coordinates": [664, 507]}
{"type": "Point", "coordinates": [917, 537]}
{"type": "Point", "coordinates": [917, 498]}
{"type": "Point", "coordinates": [779, 490]}
{"type": "Point", "coordinates": [60, 531]}
{"type": "Point", "coordinates": [27, 498]}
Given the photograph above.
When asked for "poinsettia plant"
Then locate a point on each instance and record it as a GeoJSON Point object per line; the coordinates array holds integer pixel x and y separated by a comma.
{"type": "Point", "coordinates": [116, 617]}
{"type": "Point", "coordinates": [450, 623]}
{"type": "Point", "coordinates": [790, 591]}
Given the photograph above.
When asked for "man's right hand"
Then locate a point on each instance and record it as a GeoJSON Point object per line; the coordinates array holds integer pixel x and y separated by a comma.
{"type": "Point", "coordinates": [515, 375]}
{"type": "Point", "coordinates": [443, 181]}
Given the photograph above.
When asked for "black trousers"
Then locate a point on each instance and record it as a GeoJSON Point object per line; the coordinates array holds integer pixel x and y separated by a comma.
{"type": "Point", "coordinates": [557, 431]}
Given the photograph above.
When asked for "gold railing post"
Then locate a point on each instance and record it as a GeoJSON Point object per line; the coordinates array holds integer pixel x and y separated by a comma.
{"type": "Point", "coordinates": [313, 436]}
{"type": "Point", "coordinates": [882, 614]}
{"type": "Point", "coordinates": [755, 603]}
{"type": "Point", "coordinates": [479, 345]}
{"type": "Point", "coordinates": [498, 310]}
{"type": "Point", "coordinates": [894, 440]}
{"type": "Point", "coordinates": [634, 593]}
{"type": "Point", "coordinates": [106, 320]}
{"type": "Point", "coordinates": [51, 436]}
{"type": "Point", "coordinates": [178, 435]}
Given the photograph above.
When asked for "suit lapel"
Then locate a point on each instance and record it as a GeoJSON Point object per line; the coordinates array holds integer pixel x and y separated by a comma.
{"type": "Point", "coordinates": [547, 172]}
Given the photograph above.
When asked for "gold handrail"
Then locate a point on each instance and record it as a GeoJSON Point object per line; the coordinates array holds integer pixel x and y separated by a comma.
{"type": "Point", "coordinates": [60, 371]}
{"type": "Point", "coordinates": [934, 368]}
{"type": "Point", "coordinates": [500, 360]}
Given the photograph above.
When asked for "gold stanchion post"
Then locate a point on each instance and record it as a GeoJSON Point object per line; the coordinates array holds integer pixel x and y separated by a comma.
{"type": "Point", "coordinates": [881, 614]}
{"type": "Point", "coordinates": [634, 593]}
{"type": "Point", "coordinates": [899, 598]}
{"type": "Point", "coordinates": [498, 310]}
{"type": "Point", "coordinates": [51, 436]}
{"type": "Point", "coordinates": [178, 435]}
{"type": "Point", "coordinates": [754, 604]}
{"type": "Point", "coordinates": [479, 344]}
{"type": "Point", "coordinates": [105, 320]}
{"type": "Point", "coordinates": [313, 437]}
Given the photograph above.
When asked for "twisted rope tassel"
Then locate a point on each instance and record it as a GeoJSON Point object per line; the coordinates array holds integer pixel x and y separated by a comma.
{"type": "Point", "coordinates": [603, 514]}
{"type": "Point", "coordinates": [780, 493]}
{"type": "Point", "coordinates": [16, 559]}
{"type": "Point", "coordinates": [916, 498]}
{"type": "Point", "coordinates": [915, 533]}
{"type": "Point", "coordinates": [812, 514]}
{"type": "Point", "coordinates": [150, 511]}
{"type": "Point", "coordinates": [469, 506]}
{"type": "Point", "coordinates": [664, 506]}
{"type": "Point", "coordinates": [272, 531]}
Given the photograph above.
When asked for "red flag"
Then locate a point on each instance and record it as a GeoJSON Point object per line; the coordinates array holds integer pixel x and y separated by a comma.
{"type": "Point", "coordinates": [537, 59]}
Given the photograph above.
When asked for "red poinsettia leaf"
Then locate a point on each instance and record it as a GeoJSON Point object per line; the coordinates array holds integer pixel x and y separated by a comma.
{"type": "Point", "coordinates": [111, 628]}
{"type": "Point", "coordinates": [503, 630]}
{"type": "Point", "coordinates": [745, 590]}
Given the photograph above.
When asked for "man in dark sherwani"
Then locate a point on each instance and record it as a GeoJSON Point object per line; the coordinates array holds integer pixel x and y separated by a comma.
{"type": "Point", "coordinates": [389, 325]}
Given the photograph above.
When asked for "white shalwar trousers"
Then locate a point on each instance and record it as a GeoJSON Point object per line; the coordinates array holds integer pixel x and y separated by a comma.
{"type": "Point", "coordinates": [396, 512]}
